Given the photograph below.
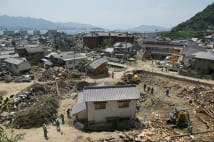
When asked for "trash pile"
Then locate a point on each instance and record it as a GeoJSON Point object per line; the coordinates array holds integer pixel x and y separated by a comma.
{"type": "Point", "coordinates": [153, 130]}
{"type": "Point", "coordinates": [32, 107]}
{"type": "Point", "coordinates": [59, 72]}
{"type": "Point", "coordinates": [201, 98]}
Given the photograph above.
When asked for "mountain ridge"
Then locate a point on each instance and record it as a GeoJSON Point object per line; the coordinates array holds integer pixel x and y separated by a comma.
{"type": "Point", "coordinates": [201, 21]}
{"type": "Point", "coordinates": [12, 22]}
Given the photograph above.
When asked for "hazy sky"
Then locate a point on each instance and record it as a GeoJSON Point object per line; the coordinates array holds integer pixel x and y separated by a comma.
{"type": "Point", "coordinates": [107, 13]}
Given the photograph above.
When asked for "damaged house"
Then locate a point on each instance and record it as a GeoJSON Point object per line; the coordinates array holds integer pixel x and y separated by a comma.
{"type": "Point", "coordinates": [107, 107]}
{"type": "Point", "coordinates": [68, 60]}
{"type": "Point", "coordinates": [17, 65]}
{"type": "Point", "coordinates": [98, 66]}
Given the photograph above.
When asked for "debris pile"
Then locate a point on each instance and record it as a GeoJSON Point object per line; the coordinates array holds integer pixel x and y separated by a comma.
{"type": "Point", "coordinates": [37, 114]}
{"type": "Point", "coordinates": [33, 106]}
{"type": "Point", "coordinates": [201, 98]}
{"type": "Point", "coordinates": [59, 72]}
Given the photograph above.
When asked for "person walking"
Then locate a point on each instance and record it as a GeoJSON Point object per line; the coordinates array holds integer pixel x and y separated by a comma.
{"type": "Point", "coordinates": [68, 112]}
{"type": "Point", "coordinates": [45, 131]}
{"type": "Point", "coordinates": [144, 87]}
{"type": "Point", "coordinates": [152, 91]}
{"type": "Point", "coordinates": [167, 92]}
{"type": "Point", "coordinates": [62, 118]}
{"type": "Point", "coordinates": [54, 117]}
{"type": "Point", "coordinates": [57, 125]}
{"type": "Point", "coordinates": [113, 74]}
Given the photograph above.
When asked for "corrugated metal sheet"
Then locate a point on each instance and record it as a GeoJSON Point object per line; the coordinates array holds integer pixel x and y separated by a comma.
{"type": "Point", "coordinates": [105, 93]}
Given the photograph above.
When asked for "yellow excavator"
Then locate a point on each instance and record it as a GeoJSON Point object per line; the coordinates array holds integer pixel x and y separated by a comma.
{"type": "Point", "coordinates": [130, 76]}
{"type": "Point", "coordinates": [180, 118]}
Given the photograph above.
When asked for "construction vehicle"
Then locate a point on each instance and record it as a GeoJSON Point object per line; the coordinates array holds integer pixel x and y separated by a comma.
{"type": "Point", "coordinates": [179, 118]}
{"type": "Point", "coordinates": [130, 76]}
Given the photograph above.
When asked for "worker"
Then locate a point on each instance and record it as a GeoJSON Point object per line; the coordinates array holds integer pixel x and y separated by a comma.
{"type": "Point", "coordinates": [148, 89]}
{"type": "Point", "coordinates": [62, 117]}
{"type": "Point", "coordinates": [113, 74]}
{"type": "Point", "coordinates": [190, 128]}
{"type": "Point", "coordinates": [45, 131]}
{"type": "Point", "coordinates": [144, 87]}
{"type": "Point", "coordinates": [68, 112]}
{"type": "Point", "coordinates": [57, 125]}
{"type": "Point", "coordinates": [152, 91]}
{"type": "Point", "coordinates": [54, 117]}
{"type": "Point", "coordinates": [167, 92]}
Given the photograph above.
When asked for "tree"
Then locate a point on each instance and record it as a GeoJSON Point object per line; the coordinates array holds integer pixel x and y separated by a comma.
{"type": "Point", "coordinates": [7, 134]}
{"type": "Point", "coordinates": [107, 42]}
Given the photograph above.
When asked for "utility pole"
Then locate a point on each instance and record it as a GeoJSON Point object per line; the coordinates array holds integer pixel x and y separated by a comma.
{"type": "Point", "coordinates": [126, 47]}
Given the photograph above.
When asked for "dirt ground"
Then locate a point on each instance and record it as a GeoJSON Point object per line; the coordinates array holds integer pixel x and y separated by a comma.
{"type": "Point", "coordinates": [7, 89]}
{"type": "Point", "coordinates": [157, 104]}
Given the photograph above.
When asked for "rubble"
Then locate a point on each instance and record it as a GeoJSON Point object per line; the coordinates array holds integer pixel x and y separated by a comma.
{"type": "Point", "coordinates": [201, 98]}
{"type": "Point", "coordinates": [59, 72]}
{"type": "Point", "coordinates": [33, 106]}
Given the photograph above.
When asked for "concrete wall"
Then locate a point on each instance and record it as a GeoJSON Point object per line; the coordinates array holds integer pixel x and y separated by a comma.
{"type": "Point", "coordinates": [82, 115]}
{"type": "Point", "coordinates": [112, 110]}
{"type": "Point", "coordinates": [16, 69]}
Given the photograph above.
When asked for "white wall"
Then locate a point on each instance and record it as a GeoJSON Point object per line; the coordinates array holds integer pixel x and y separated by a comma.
{"type": "Point", "coordinates": [69, 64]}
{"type": "Point", "coordinates": [16, 69]}
{"type": "Point", "coordinates": [112, 110]}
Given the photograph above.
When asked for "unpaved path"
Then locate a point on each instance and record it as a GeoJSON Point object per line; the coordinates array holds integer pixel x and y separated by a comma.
{"type": "Point", "coordinates": [12, 88]}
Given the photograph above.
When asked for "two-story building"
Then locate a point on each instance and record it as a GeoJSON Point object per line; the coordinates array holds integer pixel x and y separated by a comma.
{"type": "Point", "coordinates": [107, 107]}
{"type": "Point", "coordinates": [68, 60]}
{"type": "Point", "coordinates": [17, 66]}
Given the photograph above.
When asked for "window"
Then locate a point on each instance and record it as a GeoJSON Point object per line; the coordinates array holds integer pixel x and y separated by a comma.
{"type": "Point", "coordinates": [100, 105]}
{"type": "Point", "coordinates": [123, 104]}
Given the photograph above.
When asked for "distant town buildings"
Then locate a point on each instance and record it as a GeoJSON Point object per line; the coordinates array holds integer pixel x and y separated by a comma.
{"type": "Point", "coordinates": [96, 39]}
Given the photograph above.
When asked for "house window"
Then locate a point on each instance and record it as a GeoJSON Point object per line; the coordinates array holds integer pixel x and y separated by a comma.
{"type": "Point", "coordinates": [100, 105]}
{"type": "Point", "coordinates": [123, 104]}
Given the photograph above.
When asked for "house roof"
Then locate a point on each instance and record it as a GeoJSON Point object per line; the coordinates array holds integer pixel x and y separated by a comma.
{"type": "Point", "coordinates": [122, 45]}
{"type": "Point", "coordinates": [69, 55]}
{"type": "Point", "coordinates": [109, 50]}
{"type": "Point", "coordinates": [79, 106]}
{"type": "Point", "coordinates": [15, 61]}
{"type": "Point", "coordinates": [96, 63]}
{"type": "Point", "coordinates": [5, 56]}
{"type": "Point", "coordinates": [105, 93]}
{"type": "Point", "coordinates": [190, 49]}
{"type": "Point", "coordinates": [204, 55]}
{"type": "Point", "coordinates": [37, 49]}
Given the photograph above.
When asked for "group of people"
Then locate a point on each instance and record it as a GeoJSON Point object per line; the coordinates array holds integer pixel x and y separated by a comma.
{"type": "Point", "coordinates": [148, 89]}
{"type": "Point", "coordinates": [151, 90]}
{"type": "Point", "coordinates": [55, 121]}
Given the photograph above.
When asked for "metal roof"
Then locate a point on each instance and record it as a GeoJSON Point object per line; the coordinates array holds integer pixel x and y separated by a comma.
{"type": "Point", "coordinates": [105, 93]}
{"type": "Point", "coordinates": [69, 55]}
{"type": "Point", "coordinates": [96, 63]}
{"type": "Point", "coordinates": [15, 61]}
{"type": "Point", "coordinates": [204, 55]}
{"type": "Point", "coordinates": [79, 106]}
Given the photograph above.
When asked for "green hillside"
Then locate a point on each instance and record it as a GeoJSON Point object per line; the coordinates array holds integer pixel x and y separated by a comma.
{"type": "Point", "coordinates": [196, 25]}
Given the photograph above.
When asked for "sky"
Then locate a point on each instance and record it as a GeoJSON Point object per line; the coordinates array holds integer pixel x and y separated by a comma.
{"type": "Point", "coordinates": [107, 13]}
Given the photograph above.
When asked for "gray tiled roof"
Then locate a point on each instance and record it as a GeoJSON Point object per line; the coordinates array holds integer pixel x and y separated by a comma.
{"type": "Point", "coordinates": [204, 55]}
{"type": "Point", "coordinates": [96, 63]}
{"type": "Point", "coordinates": [69, 55]}
{"type": "Point", "coordinates": [105, 93]}
{"type": "Point", "coordinates": [15, 61]}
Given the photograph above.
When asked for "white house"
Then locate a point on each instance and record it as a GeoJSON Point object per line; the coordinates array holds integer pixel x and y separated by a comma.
{"type": "Point", "coordinates": [68, 59]}
{"type": "Point", "coordinates": [107, 107]}
{"type": "Point", "coordinates": [17, 65]}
